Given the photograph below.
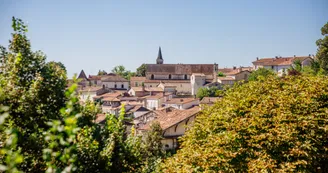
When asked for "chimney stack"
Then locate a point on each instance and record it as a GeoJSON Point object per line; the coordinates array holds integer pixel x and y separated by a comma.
{"type": "Point", "coordinates": [257, 58]}
{"type": "Point", "coordinates": [234, 67]}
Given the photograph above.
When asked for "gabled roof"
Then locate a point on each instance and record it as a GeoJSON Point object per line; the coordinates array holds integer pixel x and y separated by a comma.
{"type": "Point", "coordinates": [279, 60]}
{"type": "Point", "coordinates": [209, 100]}
{"type": "Point", "coordinates": [169, 117]}
{"type": "Point", "coordinates": [137, 78]}
{"type": "Point", "coordinates": [147, 89]}
{"type": "Point", "coordinates": [82, 75]}
{"type": "Point", "coordinates": [179, 68]}
{"type": "Point", "coordinates": [181, 100]}
{"type": "Point", "coordinates": [113, 78]}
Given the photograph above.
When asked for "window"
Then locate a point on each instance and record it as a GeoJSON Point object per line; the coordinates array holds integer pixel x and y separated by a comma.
{"type": "Point", "coordinates": [185, 77]}
{"type": "Point", "coordinates": [115, 86]}
{"type": "Point", "coordinates": [150, 86]}
{"type": "Point", "coordinates": [272, 67]}
{"type": "Point", "coordinates": [152, 76]}
{"type": "Point", "coordinates": [170, 76]}
{"type": "Point", "coordinates": [122, 86]}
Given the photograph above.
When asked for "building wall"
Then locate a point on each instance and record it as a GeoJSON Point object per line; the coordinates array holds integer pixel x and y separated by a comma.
{"type": "Point", "coordinates": [183, 106]}
{"type": "Point", "coordinates": [118, 85]}
{"type": "Point", "coordinates": [152, 104]}
{"type": "Point", "coordinates": [174, 131]}
{"type": "Point", "coordinates": [180, 87]}
{"type": "Point", "coordinates": [167, 76]}
{"type": "Point", "coordinates": [85, 94]}
{"type": "Point", "coordinates": [242, 75]}
{"type": "Point", "coordinates": [196, 83]}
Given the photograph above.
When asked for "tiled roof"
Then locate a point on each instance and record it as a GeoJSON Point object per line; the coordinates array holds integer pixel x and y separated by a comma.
{"type": "Point", "coordinates": [180, 100]}
{"type": "Point", "coordinates": [209, 100]}
{"type": "Point", "coordinates": [179, 68]}
{"type": "Point", "coordinates": [113, 78]}
{"type": "Point", "coordinates": [198, 74]}
{"type": "Point", "coordinates": [147, 89]}
{"type": "Point", "coordinates": [100, 118]}
{"type": "Point", "coordinates": [279, 60]}
{"type": "Point", "coordinates": [167, 81]}
{"type": "Point", "coordinates": [90, 89]}
{"type": "Point", "coordinates": [138, 78]}
{"type": "Point", "coordinates": [168, 118]}
{"type": "Point", "coordinates": [115, 94]}
{"type": "Point", "coordinates": [226, 79]}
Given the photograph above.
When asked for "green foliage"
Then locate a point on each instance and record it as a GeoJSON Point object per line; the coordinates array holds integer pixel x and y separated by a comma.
{"type": "Point", "coordinates": [153, 148]}
{"type": "Point", "coordinates": [141, 71]}
{"type": "Point", "coordinates": [120, 70]}
{"type": "Point", "coordinates": [208, 92]}
{"type": "Point", "coordinates": [260, 74]}
{"type": "Point", "coordinates": [276, 125]}
{"type": "Point", "coordinates": [34, 94]}
{"type": "Point", "coordinates": [101, 72]}
{"type": "Point", "coordinates": [61, 153]}
{"type": "Point", "coordinates": [322, 52]}
{"type": "Point", "coordinates": [220, 74]}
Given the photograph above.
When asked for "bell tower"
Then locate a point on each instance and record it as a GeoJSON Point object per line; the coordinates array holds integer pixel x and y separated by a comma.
{"type": "Point", "coordinates": [159, 59]}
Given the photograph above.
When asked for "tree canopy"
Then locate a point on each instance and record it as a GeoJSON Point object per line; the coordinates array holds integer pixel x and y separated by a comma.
{"type": "Point", "coordinates": [275, 125]}
{"type": "Point", "coordinates": [260, 73]}
{"type": "Point", "coordinates": [141, 71]}
{"type": "Point", "coordinates": [322, 52]}
{"type": "Point", "coordinates": [121, 70]}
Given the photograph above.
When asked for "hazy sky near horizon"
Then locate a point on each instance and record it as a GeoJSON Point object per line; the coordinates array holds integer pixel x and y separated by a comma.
{"type": "Point", "coordinates": [93, 35]}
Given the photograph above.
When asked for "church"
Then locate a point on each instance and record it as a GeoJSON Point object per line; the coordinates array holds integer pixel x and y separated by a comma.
{"type": "Point", "coordinates": [186, 78]}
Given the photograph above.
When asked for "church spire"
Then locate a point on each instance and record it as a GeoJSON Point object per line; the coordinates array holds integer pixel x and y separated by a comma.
{"type": "Point", "coordinates": [159, 59]}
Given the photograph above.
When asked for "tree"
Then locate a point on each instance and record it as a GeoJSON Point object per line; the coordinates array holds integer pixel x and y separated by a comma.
{"type": "Point", "coordinates": [101, 72]}
{"type": "Point", "coordinates": [261, 73]}
{"type": "Point", "coordinates": [121, 71]}
{"type": "Point", "coordinates": [35, 92]}
{"type": "Point", "coordinates": [220, 74]}
{"type": "Point", "coordinates": [208, 92]}
{"type": "Point", "coordinates": [141, 71]}
{"type": "Point", "coordinates": [322, 52]}
{"type": "Point", "coordinates": [275, 125]}
{"type": "Point", "coordinates": [153, 148]}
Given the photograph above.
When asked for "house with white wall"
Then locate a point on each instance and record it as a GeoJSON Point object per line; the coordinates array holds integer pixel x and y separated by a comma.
{"type": "Point", "coordinates": [182, 103]}
{"type": "Point", "coordinates": [174, 123]}
{"type": "Point", "coordinates": [280, 65]}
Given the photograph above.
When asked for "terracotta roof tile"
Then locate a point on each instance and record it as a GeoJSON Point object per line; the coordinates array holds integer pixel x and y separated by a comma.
{"type": "Point", "coordinates": [171, 117]}
{"type": "Point", "coordinates": [181, 100]}
{"type": "Point", "coordinates": [179, 68]}
{"type": "Point", "coordinates": [167, 81]}
{"type": "Point", "coordinates": [279, 60]}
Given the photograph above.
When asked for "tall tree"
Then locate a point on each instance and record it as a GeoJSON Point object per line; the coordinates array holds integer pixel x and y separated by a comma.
{"type": "Point", "coordinates": [120, 70]}
{"type": "Point", "coordinates": [322, 52]}
{"type": "Point", "coordinates": [141, 71]}
{"type": "Point", "coordinates": [35, 92]}
{"type": "Point", "coordinates": [101, 72]}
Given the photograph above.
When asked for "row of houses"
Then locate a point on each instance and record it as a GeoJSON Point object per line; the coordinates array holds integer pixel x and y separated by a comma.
{"type": "Point", "coordinates": [166, 94]}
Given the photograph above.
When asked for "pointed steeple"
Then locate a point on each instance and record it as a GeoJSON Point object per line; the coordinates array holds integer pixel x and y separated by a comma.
{"type": "Point", "coordinates": [82, 75]}
{"type": "Point", "coordinates": [159, 59]}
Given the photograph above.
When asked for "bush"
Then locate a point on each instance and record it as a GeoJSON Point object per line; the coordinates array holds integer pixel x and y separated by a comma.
{"type": "Point", "coordinates": [276, 125]}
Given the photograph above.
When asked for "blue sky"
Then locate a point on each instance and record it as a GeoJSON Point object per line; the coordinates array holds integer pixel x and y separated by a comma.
{"type": "Point", "coordinates": [92, 36]}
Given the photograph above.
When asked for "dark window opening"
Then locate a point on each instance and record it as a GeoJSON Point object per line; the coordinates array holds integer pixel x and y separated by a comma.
{"type": "Point", "coordinates": [185, 77]}
{"type": "Point", "coordinates": [152, 76]}
{"type": "Point", "coordinates": [122, 86]}
{"type": "Point", "coordinates": [115, 86]}
{"type": "Point", "coordinates": [170, 76]}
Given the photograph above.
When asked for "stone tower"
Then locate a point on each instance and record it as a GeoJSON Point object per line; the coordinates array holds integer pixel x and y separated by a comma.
{"type": "Point", "coordinates": [159, 59]}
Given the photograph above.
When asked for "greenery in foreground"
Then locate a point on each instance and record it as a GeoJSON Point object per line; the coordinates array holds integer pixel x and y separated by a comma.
{"type": "Point", "coordinates": [276, 125]}
{"type": "Point", "coordinates": [43, 128]}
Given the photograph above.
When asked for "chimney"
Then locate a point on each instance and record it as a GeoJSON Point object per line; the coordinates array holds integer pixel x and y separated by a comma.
{"type": "Point", "coordinates": [294, 56]}
{"type": "Point", "coordinates": [276, 57]}
{"type": "Point", "coordinates": [309, 55]}
{"type": "Point", "coordinates": [257, 58]}
{"type": "Point", "coordinates": [234, 67]}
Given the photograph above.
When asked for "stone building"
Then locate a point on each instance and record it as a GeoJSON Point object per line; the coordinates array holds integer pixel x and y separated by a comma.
{"type": "Point", "coordinates": [185, 78]}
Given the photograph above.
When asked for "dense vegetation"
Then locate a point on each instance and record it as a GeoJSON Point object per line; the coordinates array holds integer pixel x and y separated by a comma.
{"type": "Point", "coordinates": [44, 128]}
{"type": "Point", "coordinates": [262, 126]}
